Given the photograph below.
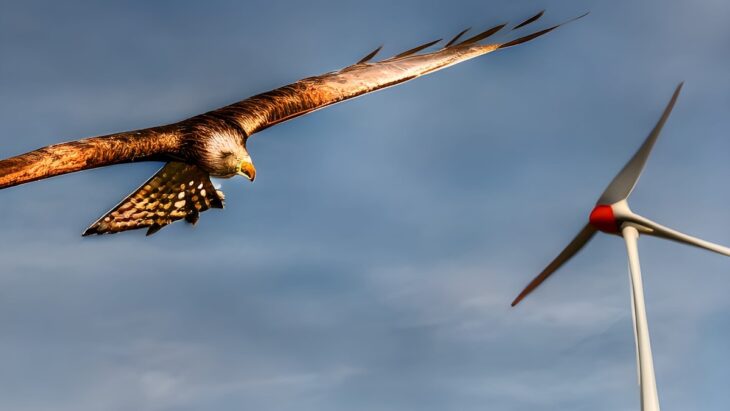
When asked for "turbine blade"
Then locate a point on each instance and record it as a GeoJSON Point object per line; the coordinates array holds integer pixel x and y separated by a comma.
{"type": "Point", "coordinates": [661, 231]}
{"type": "Point", "coordinates": [578, 242]}
{"type": "Point", "coordinates": [621, 186]}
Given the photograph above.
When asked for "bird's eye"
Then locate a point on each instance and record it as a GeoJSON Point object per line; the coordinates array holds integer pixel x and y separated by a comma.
{"type": "Point", "coordinates": [226, 154]}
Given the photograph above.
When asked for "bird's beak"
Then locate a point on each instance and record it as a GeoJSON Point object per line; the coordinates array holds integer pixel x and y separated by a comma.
{"type": "Point", "coordinates": [248, 170]}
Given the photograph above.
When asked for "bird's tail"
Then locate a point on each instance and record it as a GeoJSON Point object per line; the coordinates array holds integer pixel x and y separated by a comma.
{"type": "Point", "coordinates": [57, 159]}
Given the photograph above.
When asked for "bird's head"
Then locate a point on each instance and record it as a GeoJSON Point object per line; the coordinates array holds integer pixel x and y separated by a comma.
{"type": "Point", "coordinates": [224, 154]}
{"type": "Point", "coordinates": [235, 161]}
{"type": "Point", "coordinates": [245, 168]}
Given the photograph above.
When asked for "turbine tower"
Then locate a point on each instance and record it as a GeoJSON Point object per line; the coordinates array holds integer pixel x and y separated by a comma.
{"type": "Point", "coordinates": [612, 215]}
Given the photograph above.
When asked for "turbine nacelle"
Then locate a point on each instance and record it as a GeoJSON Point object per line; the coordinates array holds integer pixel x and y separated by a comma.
{"type": "Point", "coordinates": [611, 218]}
{"type": "Point", "coordinates": [603, 218]}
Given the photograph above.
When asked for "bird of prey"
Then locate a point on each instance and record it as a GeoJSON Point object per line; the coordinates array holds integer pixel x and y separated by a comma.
{"type": "Point", "coordinates": [214, 143]}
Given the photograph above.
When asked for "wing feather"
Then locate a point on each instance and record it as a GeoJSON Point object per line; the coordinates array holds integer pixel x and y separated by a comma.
{"type": "Point", "coordinates": [370, 56]}
{"type": "Point", "coordinates": [530, 20]}
{"type": "Point", "coordinates": [456, 37]}
{"type": "Point", "coordinates": [157, 143]}
{"type": "Point", "coordinates": [483, 35]}
{"type": "Point", "coordinates": [416, 49]}
{"type": "Point", "coordinates": [313, 93]}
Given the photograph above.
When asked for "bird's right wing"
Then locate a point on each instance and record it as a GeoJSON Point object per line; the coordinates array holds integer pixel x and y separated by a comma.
{"type": "Point", "coordinates": [177, 191]}
{"type": "Point", "coordinates": [307, 95]}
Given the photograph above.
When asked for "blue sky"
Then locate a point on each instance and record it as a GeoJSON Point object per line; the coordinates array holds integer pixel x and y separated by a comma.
{"type": "Point", "coordinates": [371, 264]}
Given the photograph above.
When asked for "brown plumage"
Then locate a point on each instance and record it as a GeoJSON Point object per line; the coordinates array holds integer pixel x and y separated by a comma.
{"type": "Point", "coordinates": [177, 191]}
{"type": "Point", "coordinates": [214, 143]}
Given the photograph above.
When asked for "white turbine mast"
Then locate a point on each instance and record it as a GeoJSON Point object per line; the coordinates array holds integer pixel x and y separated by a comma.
{"type": "Point", "coordinates": [612, 215]}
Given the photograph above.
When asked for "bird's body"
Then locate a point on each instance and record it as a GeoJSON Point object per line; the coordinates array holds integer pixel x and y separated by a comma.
{"type": "Point", "coordinates": [214, 143]}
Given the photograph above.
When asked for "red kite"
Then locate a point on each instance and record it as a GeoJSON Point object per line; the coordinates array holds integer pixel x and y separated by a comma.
{"type": "Point", "coordinates": [214, 143]}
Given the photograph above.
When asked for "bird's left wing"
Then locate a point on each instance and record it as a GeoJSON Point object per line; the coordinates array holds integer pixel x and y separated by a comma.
{"type": "Point", "coordinates": [177, 191]}
{"type": "Point", "coordinates": [304, 96]}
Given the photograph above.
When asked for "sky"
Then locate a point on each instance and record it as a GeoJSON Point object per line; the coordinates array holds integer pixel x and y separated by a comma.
{"type": "Point", "coordinates": [372, 263]}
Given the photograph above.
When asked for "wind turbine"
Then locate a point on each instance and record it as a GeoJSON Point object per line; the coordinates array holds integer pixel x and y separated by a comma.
{"type": "Point", "coordinates": [612, 215]}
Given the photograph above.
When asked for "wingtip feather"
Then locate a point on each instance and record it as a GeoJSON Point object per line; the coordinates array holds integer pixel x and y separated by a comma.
{"type": "Point", "coordinates": [415, 49]}
{"type": "Point", "coordinates": [483, 35]}
{"type": "Point", "coordinates": [530, 20]}
{"type": "Point", "coordinates": [537, 34]}
{"type": "Point", "coordinates": [370, 56]}
{"type": "Point", "coordinates": [456, 37]}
